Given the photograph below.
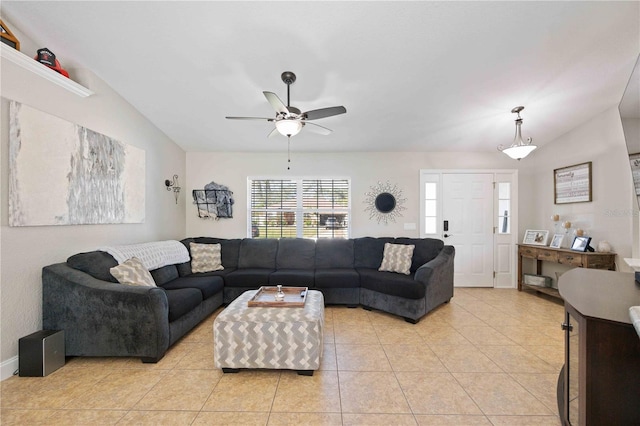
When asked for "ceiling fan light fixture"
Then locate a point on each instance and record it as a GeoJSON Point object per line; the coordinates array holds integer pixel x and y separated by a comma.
{"type": "Point", "coordinates": [519, 148]}
{"type": "Point", "coordinates": [288, 127]}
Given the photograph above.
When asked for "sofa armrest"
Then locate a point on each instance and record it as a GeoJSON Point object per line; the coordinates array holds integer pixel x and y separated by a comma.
{"type": "Point", "coordinates": [101, 318]}
{"type": "Point", "coordinates": [437, 276]}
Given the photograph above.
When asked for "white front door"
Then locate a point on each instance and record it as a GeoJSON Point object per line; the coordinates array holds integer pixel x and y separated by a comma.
{"type": "Point", "coordinates": [467, 213]}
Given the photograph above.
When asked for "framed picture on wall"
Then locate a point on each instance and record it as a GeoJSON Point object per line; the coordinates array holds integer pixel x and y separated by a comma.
{"type": "Point", "coordinates": [556, 241]}
{"type": "Point", "coordinates": [572, 184]}
{"type": "Point", "coordinates": [535, 237]}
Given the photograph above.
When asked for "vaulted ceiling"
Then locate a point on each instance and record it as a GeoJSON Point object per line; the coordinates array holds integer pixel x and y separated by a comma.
{"type": "Point", "coordinates": [413, 76]}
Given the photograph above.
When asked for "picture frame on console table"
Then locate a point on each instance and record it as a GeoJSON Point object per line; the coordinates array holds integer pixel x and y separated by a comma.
{"type": "Point", "coordinates": [581, 244]}
{"type": "Point", "coordinates": [556, 241]}
{"type": "Point", "coordinates": [572, 184]}
{"type": "Point", "coordinates": [535, 237]}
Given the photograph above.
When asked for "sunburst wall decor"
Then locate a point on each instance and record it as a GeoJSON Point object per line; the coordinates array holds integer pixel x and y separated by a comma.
{"type": "Point", "coordinates": [384, 202]}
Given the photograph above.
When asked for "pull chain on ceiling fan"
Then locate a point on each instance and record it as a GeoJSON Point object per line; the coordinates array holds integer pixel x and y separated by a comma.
{"type": "Point", "coordinates": [289, 120]}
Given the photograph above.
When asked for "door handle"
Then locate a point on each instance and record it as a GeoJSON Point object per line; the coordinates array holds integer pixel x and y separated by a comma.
{"type": "Point", "coordinates": [446, 235]}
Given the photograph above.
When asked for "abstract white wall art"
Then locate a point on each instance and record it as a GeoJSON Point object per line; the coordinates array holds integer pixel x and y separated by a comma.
{"type": "Point", "coordinates": [61, 173]}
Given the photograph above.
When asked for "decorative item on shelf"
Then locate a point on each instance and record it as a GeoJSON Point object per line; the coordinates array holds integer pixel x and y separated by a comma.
{"type": "Point", "coordinates": [48, 58]}
{"type": "Point", "coordinates": [535, 237]}
{"type": "Point", "coordinates": [7, 37]}
{"type": "Point", "coordinates": [581, 244]}
{"type": "Point", "coordinates": [173, 185]}
{"type": "Point", "coordinates": [384, 202]}
{"type": "Point", "coordinates": [604, 247]}
{"type": "Point", "coordinates": [556, 223]}
{"type": "Point", "coordinates": [215, 201]}
{"type": "Point", "coordinates": [578, 232]}
{"type": "Point", "coordinates": [519, 148]}
{"type": "Point", "coordinates": [567, 230]}
{"type": "Point", "coordinates": [556, 242]}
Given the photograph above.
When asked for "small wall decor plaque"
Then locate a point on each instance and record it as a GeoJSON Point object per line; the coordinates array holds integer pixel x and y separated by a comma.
{"type": "Point", "coordinates": [7, 36]}
{"type": "Point", "coordinates": [535, 237]}
{"type": "Point", "coordinates": [572, 184]}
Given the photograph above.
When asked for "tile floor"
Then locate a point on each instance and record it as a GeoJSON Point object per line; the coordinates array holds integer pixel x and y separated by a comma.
{"type": "Point", "coordinates": [490, 357]}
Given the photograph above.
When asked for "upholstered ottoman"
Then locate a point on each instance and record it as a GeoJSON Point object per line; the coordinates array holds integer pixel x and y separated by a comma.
{"type": "Point", "coordinates": [270, 337]}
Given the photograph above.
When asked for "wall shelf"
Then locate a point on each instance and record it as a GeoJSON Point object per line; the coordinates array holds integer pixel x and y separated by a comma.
{"type": "Point", "coordinates": [37, 68]}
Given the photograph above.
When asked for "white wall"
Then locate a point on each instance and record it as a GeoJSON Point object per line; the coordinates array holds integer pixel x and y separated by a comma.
{"type": "Point", "coordinates": [25, 250]}
{"type": "Point", "coordinates": [609, 216]}
{"type": "Point", "coordinates": [364, 170]}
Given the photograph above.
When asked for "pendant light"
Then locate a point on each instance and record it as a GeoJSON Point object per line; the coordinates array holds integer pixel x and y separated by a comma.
{"type": "Point", "coordinates": [519, 148]}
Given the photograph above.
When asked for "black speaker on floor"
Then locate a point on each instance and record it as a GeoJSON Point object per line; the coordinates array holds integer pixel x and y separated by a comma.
{"type": "Point", "coordinates": [41, 353]}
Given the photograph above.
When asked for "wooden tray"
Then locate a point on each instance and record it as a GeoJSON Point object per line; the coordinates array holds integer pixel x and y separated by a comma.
{"type": "Point", "coordinates": [294, 297]}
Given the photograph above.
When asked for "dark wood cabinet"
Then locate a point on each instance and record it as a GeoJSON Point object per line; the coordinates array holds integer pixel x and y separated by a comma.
{"type": "Point", "coordinates": [600, 382]}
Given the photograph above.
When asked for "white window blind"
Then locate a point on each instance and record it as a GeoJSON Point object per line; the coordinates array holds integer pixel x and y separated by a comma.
{"type": "Point", "coordinates": [303, 208]}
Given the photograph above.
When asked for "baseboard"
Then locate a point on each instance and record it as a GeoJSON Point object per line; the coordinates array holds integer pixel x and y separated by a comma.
{"type": "Point", "coordinates": [8, 367]}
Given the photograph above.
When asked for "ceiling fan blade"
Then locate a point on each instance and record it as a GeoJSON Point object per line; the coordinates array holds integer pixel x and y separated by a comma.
{"type": "Point", "coordinates": [316, 128]}
{"type": "Point", "coordinates": [273, 133]}
{"type": "Point", "coordinates": [324, 112]}
{"type": "Point", "coordinates": [250, 118]}
{"type": "Point", "coordinates": [276, 103]}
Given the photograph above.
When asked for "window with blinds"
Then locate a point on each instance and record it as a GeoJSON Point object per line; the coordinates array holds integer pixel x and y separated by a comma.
{"type": "Point", "coordinates": [303, 208]}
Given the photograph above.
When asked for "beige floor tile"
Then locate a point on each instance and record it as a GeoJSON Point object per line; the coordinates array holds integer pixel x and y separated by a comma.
{"type": "Point", "coordinates": [361, 358]}
{"type": "Point", "coordinates": [442, 335]}
{"type": "Point", "coordinates": [329, 361]}
{"type": "Point", "coordinates": [552, 355]}
{"type": "Point", "coordinates": [413, 357]}
{"type": "Point", "coordinates": [199, 358]}
{"type": "Point", "coordinates": [435, 393]}
{"type": "Point", "coordinates": [358, 334]}
{"type": "Point", "coordinates": [118, 390]}
{"type": "Point", "coordinates": [378, 419]}
{"type": "Point", "coordinates": [371, 392]}
{"type": "Point", "coordinates": [318, 393]}
{"type": "Point", "coordinates": [484, 335]}
{"type": "Point", "coordinates": [397, 335]}
{"type": "Point", "coordinates": [542, 386]}
{"type": "Point", "coordinates": [344, 315]}
{"type": "Point", "coordinates": [516, 359]}
{"type": "Point", "coordinates": [451, 420]}
{"type": "Point", "coordinates": [525, 420]}
{"type": "Point", "coordinates": [237, 418]}
{"type": "Point", "coordinates": [85, 417]}
{"type": "Point", "coordinates": [499, 394]}
{"type": "Point", "coordinates": [180, 390]}
{"type": "Point", "coordinates": [328, 332]}
{"type": "Point", "coordinates": [465, 359]}
{"type": "Point", "coordinates": [153, 418]}
{"type": "Point", "coordinates": [244, 391]}
{"type": "Point", "coordinates": [11, 417]}
{"type": "Point", "coordinates": [170, 359]}
{"type": "Point", "coordinates": [383, 318]}
{"type": "Point", "coordinates": [528, 335]}
{"type": "Point", "coordinates": [295, 419]}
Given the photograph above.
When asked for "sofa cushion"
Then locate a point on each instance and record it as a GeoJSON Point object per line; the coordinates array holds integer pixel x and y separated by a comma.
{"type": "Point", "coordinates": [258, 253]}
{"type": "Point", "coordinates": [391, 283]}
{"type": "Point", "coordinates": [205, 257]}
{"type": "Point", "coordinates": [182, 301]}
{"type": "Point", "coordinates": [336, 278]}
{"type": "Point", "coordinates": [164, 274]}
{"type": "Point", "coordinates": [94, 263]}
{"type": "Point", "coordinates": [248, 277]}
{"type": "Point", "coordinates": [296, 253]}
{"type": "Point", "coordinates": [368, 251]}
{"type": "Point", "coordinates": [208, 286]}
{"type": "Point", "coordinates": [133, 272]}
{"type": "Point", "coordinates": [426, 250]}
{"type": "Point", "coordinates": [397, 258]}
{"type": "Point", "coordinates": [229, 251]}
{"type": "Point", "coordinates": [334, 253]}
{"type": "Point", "coordinates": [292, 277]}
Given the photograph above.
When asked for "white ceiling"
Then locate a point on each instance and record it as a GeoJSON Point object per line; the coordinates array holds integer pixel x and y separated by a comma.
{"type": "Point", "coordinates": [413, 76]}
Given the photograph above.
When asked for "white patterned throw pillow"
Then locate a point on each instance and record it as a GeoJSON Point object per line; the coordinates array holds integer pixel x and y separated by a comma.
{"type": "Point", "coordinates": [205, 257]}
{"type": "Point", "coordinates": [397, 258]}
{"type": "Point", "coordinates": [133, 272]}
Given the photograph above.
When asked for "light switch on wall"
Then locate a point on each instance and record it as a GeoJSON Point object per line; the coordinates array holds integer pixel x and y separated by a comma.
{"type": "Point", "coordinates": [409, 226]}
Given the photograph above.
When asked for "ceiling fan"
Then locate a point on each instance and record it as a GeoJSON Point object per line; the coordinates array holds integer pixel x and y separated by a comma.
{"type": "Point", "coordinates": [290, 120]}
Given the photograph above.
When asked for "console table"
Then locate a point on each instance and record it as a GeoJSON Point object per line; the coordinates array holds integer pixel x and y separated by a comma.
{"type": "Point", "coordinates": [567, 257]}
{"type": "Point", "coordinates": [599, 384]}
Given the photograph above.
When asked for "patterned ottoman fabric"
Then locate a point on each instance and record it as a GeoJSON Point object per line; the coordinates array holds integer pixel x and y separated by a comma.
{"type": "Point", "coordinates": [276, 338]}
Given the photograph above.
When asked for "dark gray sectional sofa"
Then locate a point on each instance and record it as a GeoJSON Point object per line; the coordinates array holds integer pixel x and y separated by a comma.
{"type": "Point", "coordinates": [104, 318]}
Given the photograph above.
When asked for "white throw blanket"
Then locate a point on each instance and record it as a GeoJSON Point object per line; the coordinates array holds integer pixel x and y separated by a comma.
{"type": "Point", "coordinates": [152, 255]}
